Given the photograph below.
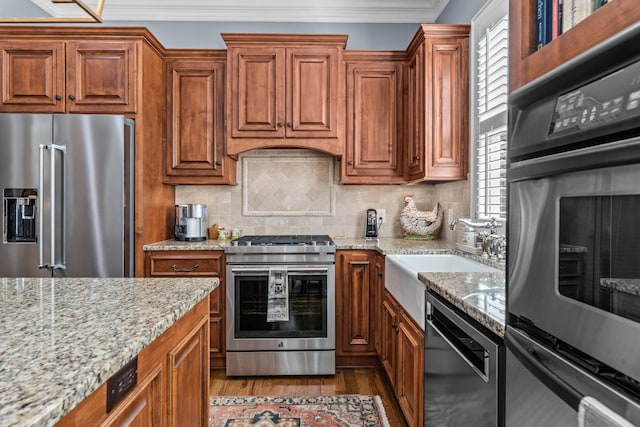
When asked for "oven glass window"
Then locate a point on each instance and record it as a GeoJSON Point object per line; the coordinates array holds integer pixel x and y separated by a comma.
{"type": "Point", "coordinates": [306, 309]}
{"type": "Point", "coordinates": [599, 252]}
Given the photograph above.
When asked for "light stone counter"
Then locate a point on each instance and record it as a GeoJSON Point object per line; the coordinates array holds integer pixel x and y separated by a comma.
{"type": "Point", "coordinates": [480, 295]}
{"type": "Point", "coordinates": [461, 289]}
{"type": "Point", "coordinates": [62, 338]}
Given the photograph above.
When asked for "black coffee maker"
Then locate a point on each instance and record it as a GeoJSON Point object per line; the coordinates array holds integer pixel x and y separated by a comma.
{"type": "Point", "coordinates": [371, 224]}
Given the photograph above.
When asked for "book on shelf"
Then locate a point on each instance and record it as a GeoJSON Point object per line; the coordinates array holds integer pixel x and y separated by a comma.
{"type": "Point", "coordinates": [554, 17]}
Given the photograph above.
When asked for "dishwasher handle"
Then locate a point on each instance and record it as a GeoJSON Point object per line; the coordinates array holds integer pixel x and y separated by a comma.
{"type": "Point", "coordinates": [453, 341]}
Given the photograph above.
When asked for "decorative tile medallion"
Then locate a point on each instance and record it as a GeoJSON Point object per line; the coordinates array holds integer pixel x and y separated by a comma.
{"type": "Point", "coordinates": [288, 183]}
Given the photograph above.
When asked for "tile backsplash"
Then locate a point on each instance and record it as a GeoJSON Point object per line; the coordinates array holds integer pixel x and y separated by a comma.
{"type": "Point", "coordinates": [298, 182]}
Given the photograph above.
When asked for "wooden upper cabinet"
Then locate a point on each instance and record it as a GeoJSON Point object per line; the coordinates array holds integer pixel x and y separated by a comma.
{"type": "Point", "coordinates": [526, 63]}
{"type": "Point", "coordinates": [195, 123]}
{"type": "Point", "coordinates": [101, 77]}
{"type": "Point", "coordinates": [284, 91]}
{"type": "Point", "coordinates": [68, 76]}
{"type": "Point", "coordinates": [375, 116]}
{"type": "Point", "coordinates": [439, 122]}
{"type": "Point", "coordinates": [33, 76]}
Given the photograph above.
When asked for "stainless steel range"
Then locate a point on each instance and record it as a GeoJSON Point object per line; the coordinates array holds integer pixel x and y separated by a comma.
{"type": "Point", "coordinates": [281, 305]}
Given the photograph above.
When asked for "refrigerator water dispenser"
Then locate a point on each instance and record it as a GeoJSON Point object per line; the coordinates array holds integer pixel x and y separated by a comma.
{"type": "Point", "coordinates": [19, 215]}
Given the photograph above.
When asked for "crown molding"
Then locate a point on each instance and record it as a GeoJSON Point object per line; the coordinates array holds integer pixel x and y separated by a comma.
{"type": "Point", "coordinates": [353, 11]}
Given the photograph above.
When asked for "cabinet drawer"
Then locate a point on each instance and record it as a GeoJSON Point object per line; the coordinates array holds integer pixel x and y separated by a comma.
{"type": "Point", "coordinates": [187, 264]}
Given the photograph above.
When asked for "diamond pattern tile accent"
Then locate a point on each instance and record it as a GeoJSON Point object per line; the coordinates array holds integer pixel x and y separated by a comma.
{"type": "Point", "coordinates": [288, 183]}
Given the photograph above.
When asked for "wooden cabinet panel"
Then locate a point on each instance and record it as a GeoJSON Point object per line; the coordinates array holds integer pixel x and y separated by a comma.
{"type": "Point", "coordinates": [202, 264]}
{"type": "Point", "coordinates": [284, 91]}
{"type": "Point", "coordinates": [375, 114]}
{"type": "Point", "coordinates": [438, 84]}
{"type": "Point", "coordinates": [258, 97]}
{"type": "Point", "coordinates": [447, 104]}
{"type": "Point", "coordinates": [378, 295]}
{"type": "Point", "coordinates": [183, 263]}
{"type": "Point", "coordinates": [402, 357]}
{"type": "Point", "coordinates": [410, 373]}
{"type": "Point", "coordinates": [312, 92]}
{"type": "Point", "coordinates": [195, 124]}
{"type": "Point", "coordinates": [143, 407]}
{"type": "Point", "coordinates": [101, 77]}
{"type": "Point", "coordinates": [526, 63]}
{"type": "Point", "coordinates": [415, 116]}
{"type": "Point", "coordinates": [188, 370]}
{"type": "Point", "coordinates": [355, 314]}
{"type": "Point", "coordinates": [388, 353]}
{"type": "Point", "coordinates": [32, 76]}
{"type": "Point", "coordinates": [69, 76]}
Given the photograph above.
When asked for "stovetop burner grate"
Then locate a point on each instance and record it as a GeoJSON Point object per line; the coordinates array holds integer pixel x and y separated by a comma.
{"type": "Point", "coordinates": [277, 240]}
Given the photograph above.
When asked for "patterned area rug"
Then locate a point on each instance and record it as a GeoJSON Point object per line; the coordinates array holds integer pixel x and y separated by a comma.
{"type": "Point", "coordinates": [262, 411]}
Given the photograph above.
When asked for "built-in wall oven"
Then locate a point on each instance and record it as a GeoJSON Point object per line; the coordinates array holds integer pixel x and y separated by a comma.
{"type": "Point", "coordinates": [573, 282]}
{"type": "Point", "coordinates": [280, 305]}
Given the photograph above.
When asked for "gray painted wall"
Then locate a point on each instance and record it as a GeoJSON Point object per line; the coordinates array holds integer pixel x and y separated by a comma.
{"type": "Point", "coordinates": [206, 35]}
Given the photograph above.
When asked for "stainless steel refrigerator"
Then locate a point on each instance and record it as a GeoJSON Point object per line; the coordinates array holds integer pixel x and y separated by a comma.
{"type": "Point", "coordinates": [67, 188]}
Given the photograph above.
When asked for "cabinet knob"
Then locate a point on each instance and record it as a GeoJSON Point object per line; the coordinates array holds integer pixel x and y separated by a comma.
{"type": "Point", "coordinates": [71, 97]}
{"type": "Point", "coordinates": [380, 273]}
{"type": "Point", "coordinates": [218, 163]}
{"type": "Point", "coordinates": [350, 162]}
{"type": "Point", "coordinates": [279, 124]}
{"type": "Point", "coordinates": [394, 325]}
{"type": "Point", "coordinates": [416, 158]}
{"type": "Point", "coordinates": [289, 124]}
{"type": "Point", "coordinates": [58, 97]}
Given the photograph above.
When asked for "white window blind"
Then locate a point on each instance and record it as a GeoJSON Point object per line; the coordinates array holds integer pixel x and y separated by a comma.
{"type": "Point", "coordinates": [490, 75]}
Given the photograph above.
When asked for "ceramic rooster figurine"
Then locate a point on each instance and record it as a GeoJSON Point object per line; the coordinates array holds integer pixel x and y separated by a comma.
{"type": "Point", "coordinates": [420, 225]}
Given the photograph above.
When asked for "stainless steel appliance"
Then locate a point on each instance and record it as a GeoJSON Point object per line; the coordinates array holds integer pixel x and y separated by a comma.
{"type": "Point", "coordinates": [281, 305]}
{"type": "Point", "coordinates": [573, 331]}
{"type": "Point", "coordinates": [463, 370]}
{"type": "Point", "coordinates": [191, 222]}
{"type": "Point", "coordinates": [67, 187]}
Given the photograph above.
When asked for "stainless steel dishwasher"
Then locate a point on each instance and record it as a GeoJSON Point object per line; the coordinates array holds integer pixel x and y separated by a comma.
{"type": "Point", "coordinates": [464, 370]}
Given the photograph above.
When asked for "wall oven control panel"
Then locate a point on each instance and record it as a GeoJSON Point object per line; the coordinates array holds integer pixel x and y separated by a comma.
{"type": "Point", "coordinates": [612, 99]}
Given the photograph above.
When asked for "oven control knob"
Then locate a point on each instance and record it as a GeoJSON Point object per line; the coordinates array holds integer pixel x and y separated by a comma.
{"type": "Point", "coordinates": [313, 243]}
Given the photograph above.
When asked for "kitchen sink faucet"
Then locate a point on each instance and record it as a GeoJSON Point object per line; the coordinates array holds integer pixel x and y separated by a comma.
{"type": "Point", "coordinates": [494, 245]}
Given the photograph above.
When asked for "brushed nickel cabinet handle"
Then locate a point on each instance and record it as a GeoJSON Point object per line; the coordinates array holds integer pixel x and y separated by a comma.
{"type": "Point", "coordinates": [184, 270]}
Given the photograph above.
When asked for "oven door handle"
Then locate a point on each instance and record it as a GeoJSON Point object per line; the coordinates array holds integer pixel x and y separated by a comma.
{"type": "Point", "coordinates": [294, 270]}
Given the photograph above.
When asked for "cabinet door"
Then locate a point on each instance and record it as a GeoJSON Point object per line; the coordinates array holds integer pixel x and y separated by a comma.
{"type": "Point", "coordinates": [257, 98]}
{"type": "Point", "coordinates": [355, 304]}
{"type": "Point", "coordinates": [188, 378]}
{"type": "Point", "coordinates": [312, 92]}
{"type": "Point", "coordinates": [195, 123]}
{"type": "Point", "coordinates": [415, 125]}
{"type": "Point", "coordinates": [143, 407]}
{"type": "Point", "coordinates": [446, 124]}
{"type": "Point", "coordinates": [101, 77]}
{"type": "Point", "coordinates": [374, 153]}
{"type": "Point", "coordinates": [33, 76]}
{"type": "Point", "coordinates": [378, 290]}
{"type": "Point", "coordinates": [410, 369]}
{"type": "Point", "coordinates": [389, 321]}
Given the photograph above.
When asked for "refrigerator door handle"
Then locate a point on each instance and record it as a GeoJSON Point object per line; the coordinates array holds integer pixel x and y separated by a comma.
{"type": "Point", "coordinates": [53, 264]}
{"type": "Point", "coordinates": [41, 263]}
{"type": "Point", "coordinates": [553, 382]}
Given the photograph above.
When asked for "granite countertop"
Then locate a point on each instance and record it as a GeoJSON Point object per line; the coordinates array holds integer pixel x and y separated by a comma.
{"type": "Point", "coordinates": [480, 295]}
{"type": "Point", "coordinates": [467, 291]}
{"type": "Point", "coordinates": [62, 338]}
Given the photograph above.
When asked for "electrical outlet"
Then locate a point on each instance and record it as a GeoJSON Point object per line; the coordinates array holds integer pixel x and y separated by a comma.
{"type": "Point", "coordinates": [382, 215]}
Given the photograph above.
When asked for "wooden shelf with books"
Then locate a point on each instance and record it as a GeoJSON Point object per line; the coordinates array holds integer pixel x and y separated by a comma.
{"type": "Point", "coordinates": [528, 62]}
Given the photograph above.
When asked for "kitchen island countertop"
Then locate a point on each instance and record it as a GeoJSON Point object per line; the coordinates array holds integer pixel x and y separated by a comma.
{"type": "Point", "coordinates": [479, 295]}
{"type": "Point", "coordinates": [61, 338]}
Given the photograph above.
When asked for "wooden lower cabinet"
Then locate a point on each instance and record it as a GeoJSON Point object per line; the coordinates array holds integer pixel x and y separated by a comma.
{"type": "Point", "coordinates": [201, 264]}
{"type": "Point", "coordinates": [173, 382]}
{"type": "Point", "coordinates": [355, 308]}
{"type": "Point", "coordinates": [402, 357]}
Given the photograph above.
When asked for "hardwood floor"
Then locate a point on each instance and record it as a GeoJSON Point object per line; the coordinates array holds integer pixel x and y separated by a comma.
{"type": "Point", "coordinates": [369, 381]}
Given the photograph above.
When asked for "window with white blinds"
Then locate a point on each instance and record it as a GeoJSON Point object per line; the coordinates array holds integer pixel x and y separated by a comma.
{"type": "Point", "coordinates": [490, 72]}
